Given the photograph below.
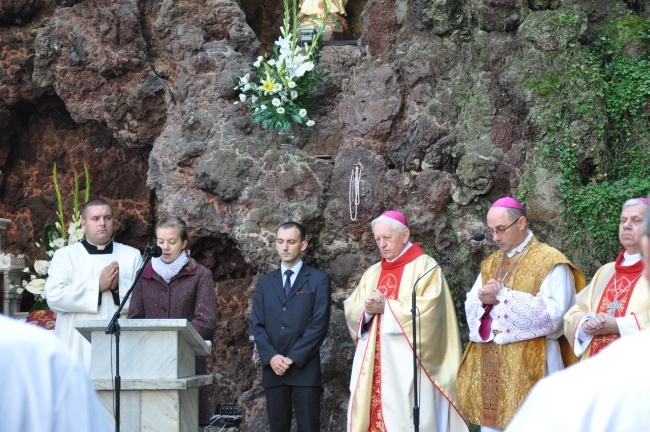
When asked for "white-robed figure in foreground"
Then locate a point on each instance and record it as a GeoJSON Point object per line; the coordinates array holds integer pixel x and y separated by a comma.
{"type": "Point", "coordinates": [608, 392]}
{"type": "Point", "coordinates": [87, 280]}
{"type": "Point", "coordinates": [44, 387]}
{"type": "Point", "coordinates": [378, 315]}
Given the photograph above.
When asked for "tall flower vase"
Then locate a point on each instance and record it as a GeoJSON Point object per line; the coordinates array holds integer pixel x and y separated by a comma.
{"type": "Point", "coordinates": [289, 140]}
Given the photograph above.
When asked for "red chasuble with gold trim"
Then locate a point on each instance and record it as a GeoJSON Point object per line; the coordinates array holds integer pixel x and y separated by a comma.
{"type": "Point", "coordinates": [616, 298]}
{"type": "Point", "coordinates": [389, 283]}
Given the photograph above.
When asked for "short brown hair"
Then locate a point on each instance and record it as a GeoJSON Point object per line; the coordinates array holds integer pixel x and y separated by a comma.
{"type": "Point", "coordinates": [174, 222]}
{"type": "Point", "coordinates": [96, 202]}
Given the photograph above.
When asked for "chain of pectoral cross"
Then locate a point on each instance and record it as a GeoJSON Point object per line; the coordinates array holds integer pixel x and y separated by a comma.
{"type": "Point", "coordinates": [513, 263]}
{"type": "Point", "coordinates": [615, 305]}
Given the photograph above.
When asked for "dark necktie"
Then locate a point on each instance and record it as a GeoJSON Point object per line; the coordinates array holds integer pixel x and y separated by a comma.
{"type": "Point", "coordinates": [287, 283]}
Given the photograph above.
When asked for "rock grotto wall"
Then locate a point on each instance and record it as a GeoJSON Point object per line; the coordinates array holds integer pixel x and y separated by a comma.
{"type": "Point", "coordinates": [432, 102]}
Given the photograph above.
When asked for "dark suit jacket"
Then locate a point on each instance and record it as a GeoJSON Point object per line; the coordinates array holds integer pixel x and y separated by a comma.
{"type": "Point", "coordinates": [295, 327]}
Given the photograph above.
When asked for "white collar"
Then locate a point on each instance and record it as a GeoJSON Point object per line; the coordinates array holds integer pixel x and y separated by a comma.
{"type": "Point", "coordinates": [101, 248]}
{"type": "Point", "coordinates": [522, 246]}
{"type": "Point", "coordinates": [630, 259]}
{"type": "Point", "coordinates": [408, 245]}
{"type": "Point", "coordinates": [295, 269]}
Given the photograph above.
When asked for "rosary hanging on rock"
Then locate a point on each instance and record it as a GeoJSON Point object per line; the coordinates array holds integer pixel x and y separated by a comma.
{"type": "Point", "coordinates": [354, 197]}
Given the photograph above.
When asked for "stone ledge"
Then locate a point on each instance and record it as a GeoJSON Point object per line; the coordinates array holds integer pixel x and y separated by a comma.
{"type": "Point", "coordinates": [155, 384]}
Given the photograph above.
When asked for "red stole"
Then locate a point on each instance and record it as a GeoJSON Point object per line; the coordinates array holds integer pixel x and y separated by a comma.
{"type": "Point", "coordinates": [390, 279]}
{"type": "Point", "coordinates": [616, 298]}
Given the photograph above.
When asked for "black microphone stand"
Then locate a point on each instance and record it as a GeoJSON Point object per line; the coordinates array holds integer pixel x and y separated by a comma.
{"type": "Point", "coordinates": [416, 369]}
{"type": "Point", "coordinates": [114, 329]}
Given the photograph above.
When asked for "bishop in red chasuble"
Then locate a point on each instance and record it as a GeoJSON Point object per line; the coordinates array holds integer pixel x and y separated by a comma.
{"type": "Point", "coordinates": [617, 301]}
{"type": "Point", "coordinates": [378, 315]}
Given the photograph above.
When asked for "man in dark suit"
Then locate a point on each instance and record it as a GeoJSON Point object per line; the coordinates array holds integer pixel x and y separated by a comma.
{"type": "Point", "coordinates": [291, 312]}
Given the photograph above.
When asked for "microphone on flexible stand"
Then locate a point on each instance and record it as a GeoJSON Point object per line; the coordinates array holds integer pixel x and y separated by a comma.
{"type": "Point", "coordinates": [113, 328]}
{"type": "Point", "coordinates": [416, 403]}
{"type": "Point", "coordinates": [154, 251]}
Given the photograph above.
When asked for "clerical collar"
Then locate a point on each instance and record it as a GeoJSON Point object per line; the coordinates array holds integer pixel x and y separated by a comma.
{"type": "Point", "coordinates": [98, 250]}
{"type": "Point", "coordinates": [408, 245]}
{"type": "Point", "coordinates": [522, 246]}
{"type": "Point", "coordinates": [630, 259]}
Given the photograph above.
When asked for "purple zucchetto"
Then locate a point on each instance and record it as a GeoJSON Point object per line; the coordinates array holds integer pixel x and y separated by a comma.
{"type": "Point", "coordinates": [508, 202]}
{"type": "Point", "coordinates": [645, 201]}
{"type": "Point", "coordinates": [396, 215]}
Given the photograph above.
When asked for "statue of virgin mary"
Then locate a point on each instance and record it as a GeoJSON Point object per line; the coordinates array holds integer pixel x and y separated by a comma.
{"type": "Point", "coordinates": [312, 14]}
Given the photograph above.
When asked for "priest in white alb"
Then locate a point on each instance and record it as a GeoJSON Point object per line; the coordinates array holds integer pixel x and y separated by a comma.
{"type": "Point", "coordinates": [617, 301]}
{"type": "Point", "coordinates": [379, 318]}
{"type": "Point", "coordinates": [87, 280]}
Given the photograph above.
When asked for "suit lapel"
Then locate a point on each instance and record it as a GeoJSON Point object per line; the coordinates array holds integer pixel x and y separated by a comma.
{"type": "Point", "coordinates": [278, 285]}
{"type": "Point", "coordinates": [300, 281]}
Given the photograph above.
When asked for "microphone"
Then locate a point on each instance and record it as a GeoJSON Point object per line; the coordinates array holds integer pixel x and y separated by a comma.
{"type": "Point", "coordinates": [416, 403]}
{"type": "Point", "coordinates": [153, 251]}
{"type": "Point", "coordinates": [113, 328]}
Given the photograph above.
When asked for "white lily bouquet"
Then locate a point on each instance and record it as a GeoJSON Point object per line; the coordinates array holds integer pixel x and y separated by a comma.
{"type": "Point", "coordinates": [279, 91]}
{"type": "Point", "coordinates": [55, 237]}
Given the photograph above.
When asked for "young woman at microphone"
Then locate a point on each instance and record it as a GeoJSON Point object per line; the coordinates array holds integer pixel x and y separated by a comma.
{"type": "Point", "coordinates": [175, 286]}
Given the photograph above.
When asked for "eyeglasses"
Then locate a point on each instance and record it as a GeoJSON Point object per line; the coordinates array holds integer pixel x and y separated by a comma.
{"type": "Point", "coordinates": [492, 232]}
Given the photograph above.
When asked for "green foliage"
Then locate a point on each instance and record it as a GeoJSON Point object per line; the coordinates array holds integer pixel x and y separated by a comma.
{"type": "Point", "coordinates": [609, 88]}
{"type": "Point", "coordinates": [60, 231]}
{"type": "Point", "coordinates": [49, 235]}
{"type": "Point", "coordinates": [545, 84]}
{"type": "Point", "coordinates": [59, 201]}
{"type": "Point", "coordinates": [626, 75]}
{"type": "Point", "coordinates": [568, 18]}
{"type": "Point", "coordinates": [56, 237]}
{"type": "Point", "coordinates": [601, 225]}
{"type": "Point", "coordinates": [87, 191]}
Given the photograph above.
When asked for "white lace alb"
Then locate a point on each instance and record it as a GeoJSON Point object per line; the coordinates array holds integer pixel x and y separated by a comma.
{"type": "Point", "coordinates": [520, 316]}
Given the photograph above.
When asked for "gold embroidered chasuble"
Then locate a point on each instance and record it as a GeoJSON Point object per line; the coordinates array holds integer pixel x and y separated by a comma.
{"type": "Point", "coordinates": [439, 348]}
{"type": "Point", "coordinates": [493, 380]}
{"type": "Point", "coordinates": [632, 298]}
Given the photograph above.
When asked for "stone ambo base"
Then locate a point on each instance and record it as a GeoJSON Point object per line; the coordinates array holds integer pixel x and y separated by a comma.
{"type": "Point", "coordinates": [159, 388]}
{"type": "Point", "coordinates": [155, 405]}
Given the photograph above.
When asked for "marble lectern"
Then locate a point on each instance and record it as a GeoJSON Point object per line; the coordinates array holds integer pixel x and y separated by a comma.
{"type": "Point", "coordinates": [160, 391]}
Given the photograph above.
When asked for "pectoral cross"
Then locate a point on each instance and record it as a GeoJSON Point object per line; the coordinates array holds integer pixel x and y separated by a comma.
{"type": "Point", "coordinates": [614, 306]}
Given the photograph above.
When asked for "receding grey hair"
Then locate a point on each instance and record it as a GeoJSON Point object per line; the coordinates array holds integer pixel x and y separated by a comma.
{"type": "Point", "coordinates": [396, 225]}
{"type": "Point", "coordinates": [631, 202]}
{"type": "Point", "coordinates": [515, 213]}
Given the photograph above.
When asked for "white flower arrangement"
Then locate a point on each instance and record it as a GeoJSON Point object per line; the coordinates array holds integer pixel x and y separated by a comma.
{"type": "Point", "coordinates": [36, 286]}
{"type": "Point", "coordinates": [41, 267]}
{"type": "Point", "coordinates": [280, 90]}
{"type": "Point", "coordinates": [55, 237]}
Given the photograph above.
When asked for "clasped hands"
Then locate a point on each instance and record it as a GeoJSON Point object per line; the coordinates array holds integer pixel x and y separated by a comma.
{"type": "Point", "coordinates": [280, 364]}
{"type": "Point", "coordinates": [110, 277]}
{"type": "Point", "coordinates": [375, 303]}
{"type": "Point", "coordinates": [601, 324]}
{"type": "Point", "coordinates": [487, 294]}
